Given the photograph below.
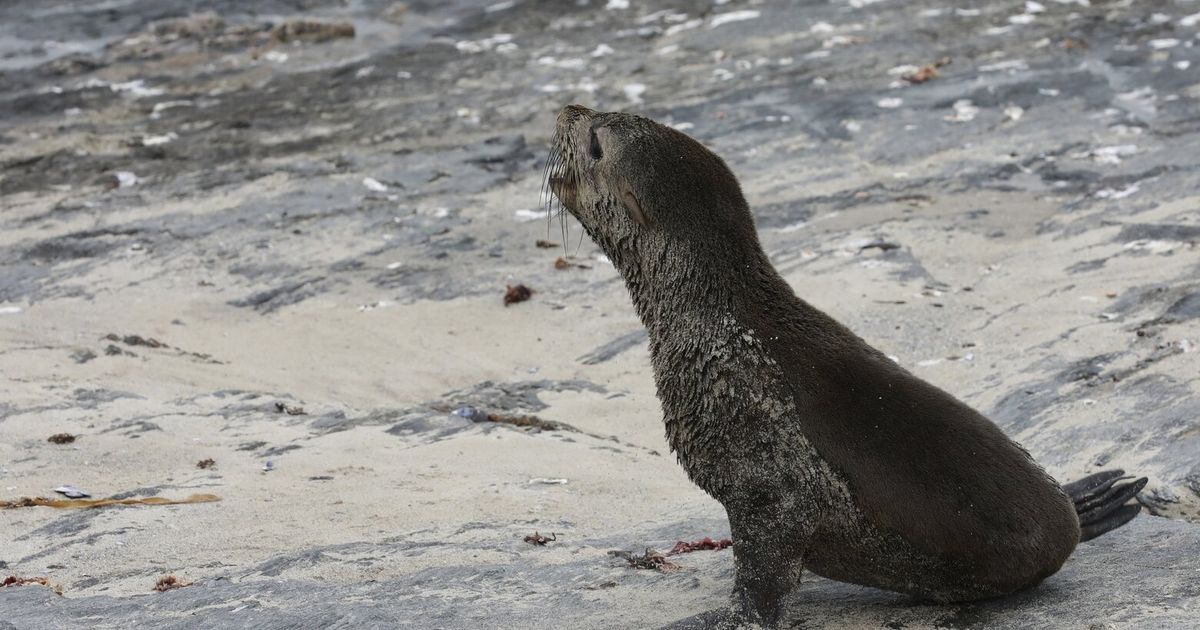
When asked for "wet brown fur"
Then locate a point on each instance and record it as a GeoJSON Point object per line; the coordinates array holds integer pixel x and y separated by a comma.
{"type": "Point", "coordinates": [826, 454]}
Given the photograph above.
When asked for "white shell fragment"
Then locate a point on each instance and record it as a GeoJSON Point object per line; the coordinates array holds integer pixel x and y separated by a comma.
{"type": "Point", "coordinates": [71, 492]}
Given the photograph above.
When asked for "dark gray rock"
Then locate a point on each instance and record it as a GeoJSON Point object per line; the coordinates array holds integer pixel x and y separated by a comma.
{"type": "Point", "coordinates": [516, 396]}
{"type": "Point", "coordinates": [614, 347]}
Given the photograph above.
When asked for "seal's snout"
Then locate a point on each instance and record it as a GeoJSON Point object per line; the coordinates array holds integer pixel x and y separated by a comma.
{"type": "Point", "coordinates": [561, 177]}
{"type": "Point", "coordinates": [570, 114]}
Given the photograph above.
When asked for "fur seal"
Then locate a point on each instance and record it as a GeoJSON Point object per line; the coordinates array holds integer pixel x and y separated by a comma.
{"type": "Point", "coordinates": [826, 454]}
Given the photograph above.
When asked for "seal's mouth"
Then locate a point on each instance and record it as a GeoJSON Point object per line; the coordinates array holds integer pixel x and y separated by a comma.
{"type": "Point", "coordinates": [560, 186]}
{"type": "Point", "coordinates": [564, 187]}
{"type": "Point", "coordinates": [560, 181]}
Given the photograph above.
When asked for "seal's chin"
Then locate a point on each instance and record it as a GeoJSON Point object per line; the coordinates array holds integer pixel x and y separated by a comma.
{"type": "Point", "coordinates": [564, 187]}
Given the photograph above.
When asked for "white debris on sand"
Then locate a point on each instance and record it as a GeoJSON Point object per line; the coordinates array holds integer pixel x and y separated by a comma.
{"type": "Point", "coordinates": [529, 215]}
{"type": "Point", "coordinates": [1009, 65]}
{"type": "Point", "coordinates": [1112, 193]}
{"type": "Point", "coordinates": [683, 26]}
{"type": "Point", "coordinates": [1152, 246]}
{"type": "Point", "coordinates": [548, 481]}
{"type": "Point", "coordinates": [159, 108]}
{"type": "Point", "coordinates": [964, 111]}
{"type": "Point", "coordinates": [733, 16]}
{"type": "Point", "coordinates": [125, 179]}
{"type": "Point", "coordinates": [1108, 155]}
{"type": "Point", "coordinates": [566, 64]}
{"type": "Point", "coordinates": [150, 141]}
{"type": "Point", "coordinates": [500, 42]}
{"type": "Point", "coordinates": [137, 88]}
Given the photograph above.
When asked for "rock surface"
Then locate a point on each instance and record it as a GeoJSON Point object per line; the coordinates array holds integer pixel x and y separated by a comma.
{"type": "Point", "coordinates": [1103, 586]}
{"type": "Point", "coordinates": [280, 239]}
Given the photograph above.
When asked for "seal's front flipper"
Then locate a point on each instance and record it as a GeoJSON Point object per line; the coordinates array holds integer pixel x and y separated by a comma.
{"type": "Point", "coordinates": [720, 619]}
{"type": "Point", "coordinates": [1100, 501]}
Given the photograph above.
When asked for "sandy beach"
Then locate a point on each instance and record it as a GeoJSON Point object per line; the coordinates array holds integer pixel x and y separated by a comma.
{"type": "Point", "coordinates": [280, 240]}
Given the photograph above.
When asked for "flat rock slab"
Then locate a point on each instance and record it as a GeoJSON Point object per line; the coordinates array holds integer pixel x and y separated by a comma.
{"type": "Point", "coordinates": [1129, 579]}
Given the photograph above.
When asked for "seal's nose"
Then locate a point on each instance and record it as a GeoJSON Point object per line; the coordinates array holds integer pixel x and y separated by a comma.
{"type": "Point", "coordinates": [572, 113]}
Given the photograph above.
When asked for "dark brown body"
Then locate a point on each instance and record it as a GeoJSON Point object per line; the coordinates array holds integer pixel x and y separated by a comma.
{"type": "Point", "coordinates": [826, 454]}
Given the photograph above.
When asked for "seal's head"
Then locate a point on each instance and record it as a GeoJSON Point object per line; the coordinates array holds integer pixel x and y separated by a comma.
{"type": "Point", "coordinates": [650, 196]}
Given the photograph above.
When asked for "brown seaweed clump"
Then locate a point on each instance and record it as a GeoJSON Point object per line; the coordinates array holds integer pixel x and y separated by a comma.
{"type": "Point", "coordinates": [170, 582]}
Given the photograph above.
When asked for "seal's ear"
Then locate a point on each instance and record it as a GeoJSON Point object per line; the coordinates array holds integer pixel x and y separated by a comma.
{"type": "Point", "coordinates": [633, 208]}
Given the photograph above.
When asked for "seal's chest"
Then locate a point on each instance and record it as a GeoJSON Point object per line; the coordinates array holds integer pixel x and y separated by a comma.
{"type": "Point", "coordinates": [717, 377]}
{"type": "Point", "coordinates": [726, 406]}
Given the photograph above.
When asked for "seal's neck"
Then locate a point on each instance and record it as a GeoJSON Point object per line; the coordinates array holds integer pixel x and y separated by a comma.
{"type": "Point", "coordinates": [679, 292]}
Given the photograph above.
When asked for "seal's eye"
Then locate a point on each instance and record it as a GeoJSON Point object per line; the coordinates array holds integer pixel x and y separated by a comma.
{"type": "Point", "coordinates": [595, 150]}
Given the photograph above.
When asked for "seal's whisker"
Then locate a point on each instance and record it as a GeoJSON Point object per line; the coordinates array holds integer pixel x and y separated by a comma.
{"type": "Point", "coordinates": [560, 170]}
{"type": "Point", "coordinates": [551, 164]}
{"type": "Point", "coordinates": [575, 185]}
{"type": "Point", "coordinates": [546, 197]}
{"type": "Point", "coordinates": [562, 225]}
{"type": "Point", "coordinates": [545, 189]}
{"type": "Point", "coordinates": [559, 167]}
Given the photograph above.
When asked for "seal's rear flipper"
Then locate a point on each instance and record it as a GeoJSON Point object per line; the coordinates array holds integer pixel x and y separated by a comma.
{"type": "Point", "coordinates": [1123, 515]}
{"type": "Point", "coordinates": [1100, 501]}
{"type": "Point", "coordinates": [1087, 487]}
